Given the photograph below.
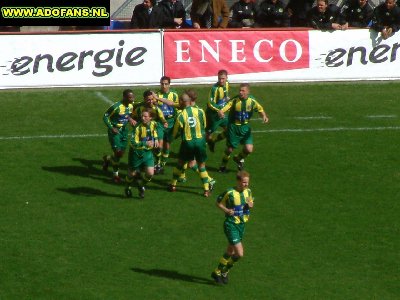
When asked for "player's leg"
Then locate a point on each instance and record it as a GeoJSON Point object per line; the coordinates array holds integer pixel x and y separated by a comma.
{"type": "Point", "coordinates": [177, 172]}
{"type": "Point", "coordinates": [233, 253]}
{"type": "Point", "coordinates": [147, 175]}
{"type": "Point", "coordinates": [247, 141]}
{"type": "Point", "coordinates": [134, 163]}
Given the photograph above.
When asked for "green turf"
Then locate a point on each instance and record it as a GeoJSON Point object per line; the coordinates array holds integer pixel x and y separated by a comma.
{"type": "Point", "coordinates": [325, 223]}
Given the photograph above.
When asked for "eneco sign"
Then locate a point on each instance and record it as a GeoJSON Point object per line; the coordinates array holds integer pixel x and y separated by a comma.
{"type": "Point", "coordinates": [202, 54]}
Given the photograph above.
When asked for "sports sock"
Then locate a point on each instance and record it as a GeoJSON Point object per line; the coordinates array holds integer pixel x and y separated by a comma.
{"type": "Point", "coordinates": [182, 176]}
{"type": "Point", "coordinates": [146, 178]}
{"type": "Point", "coordinates": [231, 261]}
{"type": "Point", "coordinates": [115, 164]}
{"type": "Point", "coordinates": [195, 168]}
{"type": "Point", "coordinates": [225, 158]}
{"type": "Point", "coordinates": [204, 178]}
{"type": "Point", "coordinates": [157, 154]}
{"type": "Point", "coordinates": [164, 157]}
{"type": "Point", "coordinates": [223, 262]}
{"type": "Point", "coordinates": [129, 180]}
{"type": "Point", "coordinates": [220, 136]}
{"type": "Point", "coordinates": [242, 155]}
{"type": "Point", "coordinates": [176, 173]}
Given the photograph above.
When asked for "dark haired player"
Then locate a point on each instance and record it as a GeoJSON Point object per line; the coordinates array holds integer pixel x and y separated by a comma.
{"type": "Point", "coordinates": [116, 119]}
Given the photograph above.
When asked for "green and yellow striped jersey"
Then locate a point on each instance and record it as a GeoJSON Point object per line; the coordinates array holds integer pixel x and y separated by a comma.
{"type": "Point", "coordinates": [241, 110]}
{"type": "Point", "coordinates": [218, 97]}
{"type": "Point", "coordinates": [143, 133]}
{"type": "Point", "coordinates": [233, 199]}
{"type": "Point", "coordinates": [117, 115]}
{"type": "Point", "coordinates": [156, 112]}
{"type": "Point", "coordinates": [168, 111]}
{"type": "Point", "coordinates": [190, 124]}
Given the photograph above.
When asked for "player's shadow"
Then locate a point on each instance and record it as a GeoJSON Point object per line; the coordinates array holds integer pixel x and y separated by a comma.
{"type": "Point", "coordinates": [88, 169]}
{"type": "Point", "coordinates": [174, 275]}
{"type": "Point", "coordinates": [89, 192]}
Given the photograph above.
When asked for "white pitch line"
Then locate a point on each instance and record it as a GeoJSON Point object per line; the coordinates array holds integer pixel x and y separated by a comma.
{"type": "Point", "coordinates": [381, 116]}
{"type": "Point", "coordinates": [104, 98]}
{"type": "Point", "coordinates": [329, 129]}
{"type": "Point", "coordinates": [62, 136]}
{"type": "Point", "coordinates": [65, 136]}
{"type": "Point", "coordinates": [313, 118]}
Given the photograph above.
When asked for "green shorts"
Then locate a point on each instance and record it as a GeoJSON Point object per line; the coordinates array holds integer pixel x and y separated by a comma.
{"type": "Point", "coordinates": [118, 141]}
{"type": "Point", "coordinates": [214, 121]}
{"type": "Point", "coordinates": [160, 131]}
{"type": "Point", "coordinates": [139, 159]}
{"type": "Point", "coordinates": [195, 149]}
{"type": "Point", "coordinates": [168, 131]}
{"type": "Point", "coordinates": [238, 134]}
{"type": "Point", "coordinates": [234, 232]}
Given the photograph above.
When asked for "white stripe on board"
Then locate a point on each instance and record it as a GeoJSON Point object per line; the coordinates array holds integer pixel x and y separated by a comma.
{"type": "Point", "coordinates": [64, 136]}
{"type": "Point", "coordinates": [104, 98]}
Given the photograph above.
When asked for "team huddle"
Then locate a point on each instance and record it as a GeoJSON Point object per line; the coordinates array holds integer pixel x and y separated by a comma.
{"type": "Point", "coordinates": [165, 116]}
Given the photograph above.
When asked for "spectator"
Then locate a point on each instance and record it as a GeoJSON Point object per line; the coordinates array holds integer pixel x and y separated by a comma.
{"type": "Point", "coordinates": [357, 13]}
{"type": "Point", "coordinates": [242, 14]}
{"type": "Point", "coordinates": [272, 13]}
{"type": "Point", "coordinates": [10, 28]}
{"type": "Point", "coordinates": [209, 14]}
{"type": "Point", "coordinates": [147, 15]}
{"type": "Point", "coordinates": [297, 11]}
{"type": "Point", "coordinates": [325, 16]}
{"type": "Point", "coordinates": [386, 18]}
{"type": "Point", "coordinates": [174, 13]}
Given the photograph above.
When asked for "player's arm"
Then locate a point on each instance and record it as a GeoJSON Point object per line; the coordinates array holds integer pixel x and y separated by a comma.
{"type": "Point", "coordinates": [260, 109]}
{"type": "Point", "coordinates": [107, 118]}
{"type": "Point", "coordinates": [163, 100]}
{"type": "Point", "coordinates": [221, 204]}
{"type": "Point", "coordinates": [177, 127]}
{"type": "Point", "coordinates": [161, 117]}
{"type": "Point", "coordinates": [155, 134]}
{"type": "Point", "coordinates": [211, 103]}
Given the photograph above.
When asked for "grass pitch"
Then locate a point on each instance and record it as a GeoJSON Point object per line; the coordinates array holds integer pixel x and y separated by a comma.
{"type": "Point", "coordinates": [325, 174]}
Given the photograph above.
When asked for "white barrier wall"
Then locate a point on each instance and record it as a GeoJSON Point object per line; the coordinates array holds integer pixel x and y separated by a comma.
{"type": "Point", "coordinates": [134, 58]}
{"type": "Point", "coordinates": [80, 59]}
{"type": "Point", "coordinates": [270, 56]}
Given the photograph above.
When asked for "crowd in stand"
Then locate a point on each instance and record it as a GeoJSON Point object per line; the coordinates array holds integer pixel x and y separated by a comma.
{"type": "Point", "coordinates": [320, 14]}
{"type": "Point", "coordinates": [384, 18]}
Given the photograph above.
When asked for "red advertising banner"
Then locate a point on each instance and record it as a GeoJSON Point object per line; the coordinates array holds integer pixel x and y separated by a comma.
{"type": "Point", "coordinates": [203, 53]}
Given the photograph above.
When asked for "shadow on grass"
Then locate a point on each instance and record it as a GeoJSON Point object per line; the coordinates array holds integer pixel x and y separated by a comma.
{"type": "Point", "coordinates": [174, 275]}
{"type": "Point", "coordinates": [89, 169]}
{"type": "Point", "coordinates": [89, 192]}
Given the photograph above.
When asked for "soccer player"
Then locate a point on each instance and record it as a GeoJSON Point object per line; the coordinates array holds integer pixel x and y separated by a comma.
{"type": "Point", "coordinates": [150, 102]}
{"type": "Point", "coordinates": [217, 99]}
{"type": "Point", "coordinates": [193, 164]}
{"type": "Point", "coordinates": [116, 119]}
{"type": "Point", "coordinates": [235, 202]}
{"type": "Point", "coordinates": [190, 125]}
{"type": "Point", "coordinates": [168, 102]}
{"type": "Point", "coordinates": [143, 140]}
{"type": "Point", "coordinates": [241, 108]}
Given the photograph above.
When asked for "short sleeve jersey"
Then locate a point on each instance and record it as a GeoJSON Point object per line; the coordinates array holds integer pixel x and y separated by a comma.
{"type": "Point", "coordinates": [233, 199]}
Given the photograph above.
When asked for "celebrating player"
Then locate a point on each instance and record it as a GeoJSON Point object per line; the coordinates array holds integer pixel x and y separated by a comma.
{"type": "Point", "coordinates": [241, 108]}
{"type": "Point", "coordinates": [144, 139]}
{"type": "Point", "coordinates": [235, 202]}
{"type": "Point", "coordinates": [116, 119]}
